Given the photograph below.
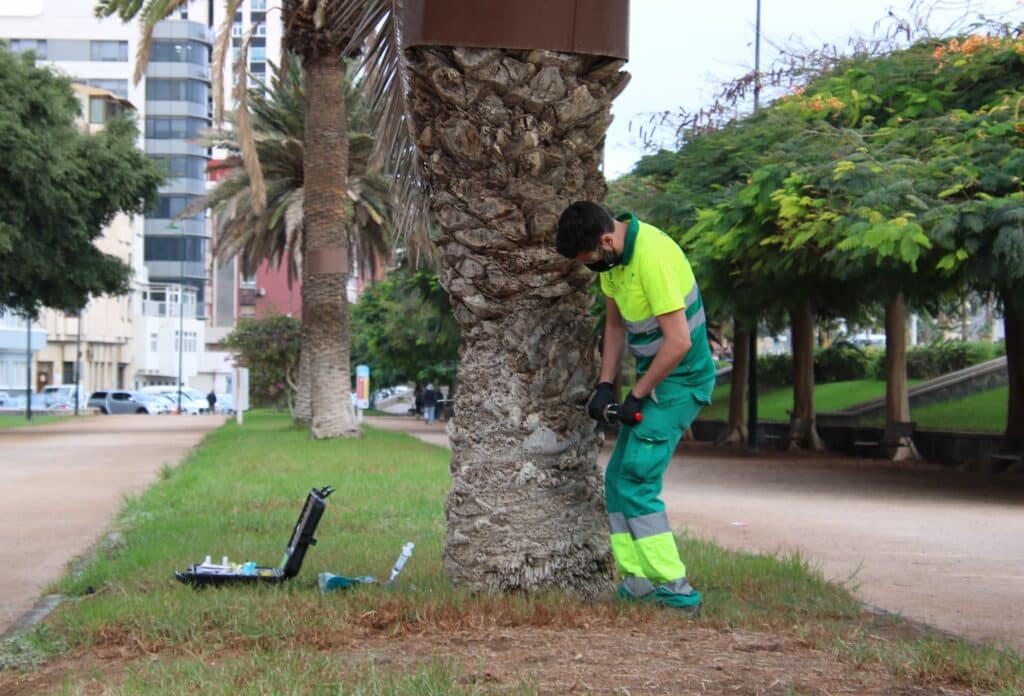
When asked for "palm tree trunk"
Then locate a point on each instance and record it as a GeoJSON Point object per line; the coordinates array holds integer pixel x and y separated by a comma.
{"type": "Point", "coordinates": [509, 138]}
{"type": "Point", "coordinates": [325, 304]}
{"type": "Point", "coordinates": [304, 395]}
{"type": "Point", "coordinates": [1013, 319]}
{"type": "Point", "coordinates": [802, 428]}
{"type": "Point", "coordinates": [737, 433]}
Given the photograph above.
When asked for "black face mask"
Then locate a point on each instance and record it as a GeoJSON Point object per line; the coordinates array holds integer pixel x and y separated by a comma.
{"type": "Point", "coordinates": [609, 260]}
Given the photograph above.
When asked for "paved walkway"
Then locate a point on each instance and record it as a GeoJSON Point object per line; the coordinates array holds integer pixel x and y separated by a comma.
{"type": "Point", "coordinates": [62, 484]}
{"type": "Point", "coordinates": [935, 545]}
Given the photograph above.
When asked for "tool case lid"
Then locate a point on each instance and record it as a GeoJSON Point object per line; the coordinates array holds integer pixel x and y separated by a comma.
{"type": "Point", "coordinates": [302, 536]}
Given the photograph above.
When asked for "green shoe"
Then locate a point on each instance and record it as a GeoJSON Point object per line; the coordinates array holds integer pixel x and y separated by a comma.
{"type": "Point", "coordinates": [687, 604]}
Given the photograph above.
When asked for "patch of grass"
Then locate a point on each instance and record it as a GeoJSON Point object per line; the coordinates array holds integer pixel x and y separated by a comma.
{"type": "Point", "coordinates": [292, 671]}
{"type": "Point", "coordinates": [238, 494]}
{"type": "Point", "coordinates": [935, 659]}
{"type": "Point", "coordinates": [983, 412]}
{"type": "Point", "coordinates": [9, 420]}
{"type": "Point", "coordinates": [773, 405]}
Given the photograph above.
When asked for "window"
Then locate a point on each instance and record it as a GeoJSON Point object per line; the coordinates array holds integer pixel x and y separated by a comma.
{"type": "Point", "coordinates": [174, 128]}
{"type": "Point", "coordinates": [249, 281]}
{"type": "Point", "coordinates": [184, 166]}
{"type": "Point", "coordinates": [109, 51]}
{"type": "Point", "coordinates": [67, 372]}
{"type": "Point", "coordinates": [261, 29]}
{"type": "Point", "coordinates": [180, 52]}
{"type": "Point", "coordinates": [97, 110]}
{"type": "Point", "coordinates": [98, 395]}
{"type": "Point", "coordinates": [258, 5]}
{"type": "Point", "coordinates": [258, 54]}
{"type": "Point", "coordinates": [236, 29]}
{"type": "Point", "coordinates": [192, 91]}
{"type": "Point", "coordinates": [153, 343]}
{"type": "Point", "coordinates": [116, 87]}
{"type": "Point", "coordinates": [170, 248]}
{"type": "Point", "coordinates": [21, 45]}
{"type": "Point", "coordinates": [190, 341]}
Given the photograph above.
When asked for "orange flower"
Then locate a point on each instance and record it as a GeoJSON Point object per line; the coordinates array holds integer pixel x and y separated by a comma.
{"type": "Point", "coordinates": [939, 52]}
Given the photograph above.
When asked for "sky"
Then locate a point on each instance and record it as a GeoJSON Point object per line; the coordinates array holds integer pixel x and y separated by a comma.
{"type": "Point", "coordinates": [680, 50]}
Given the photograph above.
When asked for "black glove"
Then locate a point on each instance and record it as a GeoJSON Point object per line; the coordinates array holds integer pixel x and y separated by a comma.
{"type": "Point", "coordinates": [629, 413]}
{"type": "Point", "coordinates": [604, 396]}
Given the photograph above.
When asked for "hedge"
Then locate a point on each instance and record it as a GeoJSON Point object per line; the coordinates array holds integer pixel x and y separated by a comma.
{"type": "Point", "coordinates": [842, 362]}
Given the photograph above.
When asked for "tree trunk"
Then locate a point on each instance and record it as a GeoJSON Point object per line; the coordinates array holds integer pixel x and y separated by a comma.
{"type": "Point", "coordinates": [325, 308]}
{"type": "Point", "coordinates": [737, 432]}
{"type": "Point", "coordinates": [897, 397]}
{"type": "Point", "coordinates": [304, 395]}
{"type": "Point", "coordinates": [803, 432]}
{"type": "Point", "coordinates": [1013, 439]}
{"type": "Point", "coordinates": [509, 138]}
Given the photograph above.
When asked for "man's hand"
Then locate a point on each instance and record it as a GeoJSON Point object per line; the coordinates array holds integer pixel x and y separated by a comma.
{"type": "Point", "coordinates": [604, 396]}
{"type": "Point", "coordinates": [630, 410]}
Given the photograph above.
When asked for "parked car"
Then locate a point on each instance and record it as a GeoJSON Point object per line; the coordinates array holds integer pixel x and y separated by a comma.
{"type": "Point", "coordinates": [115, 401]}
{"type": "Point", "coordinates": [154, 403]}
{"type": "Point", "coordinates": [225, 403]}
{"type": "Point", "coordinates": [62, 396]}
{"type": "Point", "coordinates": [193, 401]}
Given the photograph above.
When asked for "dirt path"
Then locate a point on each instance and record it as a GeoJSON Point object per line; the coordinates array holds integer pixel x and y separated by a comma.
{"type": "Point", "coordinates": [934, 545]}
{"type": "Point", "coordinates": [61, 484]}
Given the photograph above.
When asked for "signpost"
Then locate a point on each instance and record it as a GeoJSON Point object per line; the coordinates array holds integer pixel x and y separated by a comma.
{"type": "Point", "coordinates": [362, 389]}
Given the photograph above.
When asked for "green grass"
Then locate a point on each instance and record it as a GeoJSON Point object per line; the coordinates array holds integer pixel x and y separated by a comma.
{"type": "Point", "coordinates": [18, 421]}
{"type": "Point", "coordinates": [984, 412]}
{"type": "Point", "coordinates": [239, 494]}
{"type": "Point", "coordinates": [772, 405]}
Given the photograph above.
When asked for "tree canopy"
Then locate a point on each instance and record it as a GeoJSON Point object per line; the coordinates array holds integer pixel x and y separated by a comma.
{"type": "Point", "coordinates": [883, 176]}
{"type": "Point", "coordinates": [59, 188]}
{"type": "Point", "coordinates": [403, 328]}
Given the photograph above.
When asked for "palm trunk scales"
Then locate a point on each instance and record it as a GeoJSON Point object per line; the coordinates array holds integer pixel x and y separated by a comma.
{"type": "Point", "coordinates": [508, 139]}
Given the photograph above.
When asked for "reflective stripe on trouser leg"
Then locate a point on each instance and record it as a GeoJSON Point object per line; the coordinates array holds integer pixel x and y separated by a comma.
{"type": "Point", "coordinates": [647, 452]}
{"type": "Point", "coordinates": [619, 536]}
{"type": "Point", "coordinates": [656, 548]}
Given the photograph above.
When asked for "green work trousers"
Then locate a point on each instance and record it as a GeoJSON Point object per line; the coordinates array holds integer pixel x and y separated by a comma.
{"type": "Point", "coordinates": [642, 542]}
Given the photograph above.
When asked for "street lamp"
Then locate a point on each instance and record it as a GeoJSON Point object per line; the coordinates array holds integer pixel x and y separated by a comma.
{"type": "Point", "coordinates": [181, 304]}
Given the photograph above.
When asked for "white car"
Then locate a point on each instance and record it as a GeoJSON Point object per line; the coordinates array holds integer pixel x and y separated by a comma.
{"type": "Point", "coordinates": [193, 402]}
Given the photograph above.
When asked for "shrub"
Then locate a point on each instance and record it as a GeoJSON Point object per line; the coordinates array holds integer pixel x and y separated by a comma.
{"type": "Point", "coordinates": [774, 370]}
{"type": "Point", "coordinates": [842, 362]}
{"type": "Point", "coordinates": [935, 359]}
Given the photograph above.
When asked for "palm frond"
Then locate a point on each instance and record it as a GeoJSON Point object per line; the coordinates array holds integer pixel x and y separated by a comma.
{"type": "Point", "coordinates": [153, 12]}
{"type": "Point", "coordinates": [243, 123]}
{"type": "Point", "coordinates": [386, 84]}
{"type": "Point", "coordinates": [220, 50]}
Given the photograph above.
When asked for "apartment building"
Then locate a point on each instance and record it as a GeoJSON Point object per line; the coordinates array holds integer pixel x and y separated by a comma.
{"type": "Point", "coordinates": [171, 257]}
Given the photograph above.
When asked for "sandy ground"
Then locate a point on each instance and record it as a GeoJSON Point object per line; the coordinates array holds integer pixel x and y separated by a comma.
{"type": "Point", "coordinates": [61, 485]}
{"type": "Point", "coordinates": [938, 546]}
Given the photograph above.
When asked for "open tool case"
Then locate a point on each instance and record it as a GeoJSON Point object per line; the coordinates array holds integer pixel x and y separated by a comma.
{"type": "Point", "coordinates": [206, 573]}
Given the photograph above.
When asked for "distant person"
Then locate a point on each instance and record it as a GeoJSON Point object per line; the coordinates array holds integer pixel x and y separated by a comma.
{"type": "Point", "coordinates": [417, 400]}
{"type": "Point", "coordinates": [211, 399]}
{"type": "Point", "coordinates": [430, 399]}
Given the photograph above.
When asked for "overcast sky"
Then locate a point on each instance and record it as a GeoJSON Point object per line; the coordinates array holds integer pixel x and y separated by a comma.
{"type": "Point", "coordinates": [681, 49]}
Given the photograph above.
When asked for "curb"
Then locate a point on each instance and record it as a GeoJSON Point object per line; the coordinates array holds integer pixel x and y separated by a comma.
{"type": "Point", "coordinates": [42, 608]}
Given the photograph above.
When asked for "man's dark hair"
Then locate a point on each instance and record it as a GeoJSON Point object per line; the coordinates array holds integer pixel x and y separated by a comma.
{"type": "Point", "coordinates": [580, 228]}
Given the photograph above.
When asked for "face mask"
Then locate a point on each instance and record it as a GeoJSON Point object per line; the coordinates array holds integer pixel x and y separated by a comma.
{"type": "Point", "coordinates": [609, 260]}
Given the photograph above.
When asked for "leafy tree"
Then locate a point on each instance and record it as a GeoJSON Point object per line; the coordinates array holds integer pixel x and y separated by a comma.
{"type": "Point", "coordinates": [403, 328]}
{"type": "Point", "coordinates": [60, 187]}
{"type": "Point", "coordinates": [269, 347]}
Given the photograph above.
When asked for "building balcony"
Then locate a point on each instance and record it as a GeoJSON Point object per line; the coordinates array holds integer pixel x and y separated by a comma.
{"type": "Point", "coordinates": [178, 70]}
